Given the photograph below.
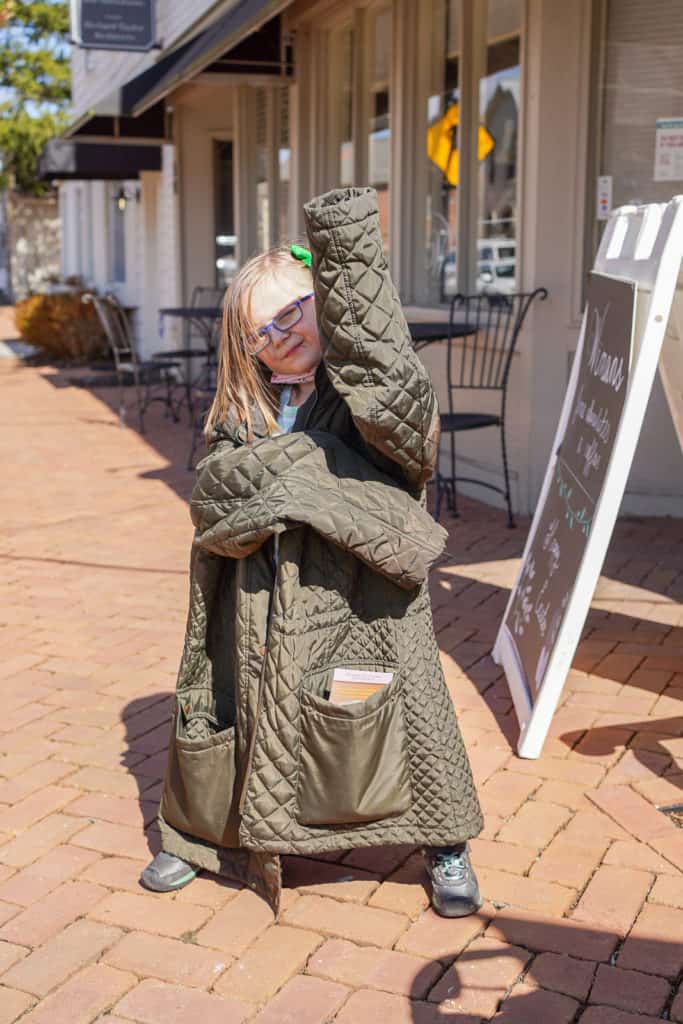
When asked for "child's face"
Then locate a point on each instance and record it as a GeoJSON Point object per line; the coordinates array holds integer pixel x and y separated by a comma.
{"type": "Point", "coordinates": [298, 350]}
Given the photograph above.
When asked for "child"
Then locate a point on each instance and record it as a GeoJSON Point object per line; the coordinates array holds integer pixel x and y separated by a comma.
{"type": "Point", "coordinates": [309, 586]}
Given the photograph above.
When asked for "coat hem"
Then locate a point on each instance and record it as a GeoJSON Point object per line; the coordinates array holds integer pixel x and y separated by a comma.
{"type": "Point", "coordinates": [253, 869]}
{"type": "Point", "coordinates": [259, 868]}
{"type": "Point", "coordinates": [404, 836]}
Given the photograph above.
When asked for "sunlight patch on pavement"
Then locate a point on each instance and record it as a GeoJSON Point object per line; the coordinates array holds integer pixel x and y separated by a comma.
{"type": "Point", "coordinates": [610, 595]}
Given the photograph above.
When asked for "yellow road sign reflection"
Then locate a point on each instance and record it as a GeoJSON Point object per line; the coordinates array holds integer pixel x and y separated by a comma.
{"type": "Point", "coordinates": [443, 153]}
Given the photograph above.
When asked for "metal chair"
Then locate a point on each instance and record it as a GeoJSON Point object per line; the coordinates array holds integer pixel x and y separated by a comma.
{"type": "Point", "coordinates": [144, 374]}
{"type": "Point", "coordinates": [205, 393]}
{"type": "Point", "coordinates": [202, 298]}
{"type": "Point", "coordinates": [205, 297]}
{"type": "Point", "coordinates": [481, 362]}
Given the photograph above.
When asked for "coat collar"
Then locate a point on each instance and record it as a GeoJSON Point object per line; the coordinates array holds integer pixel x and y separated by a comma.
{"type": "Point", "coordinates": [230, 429]}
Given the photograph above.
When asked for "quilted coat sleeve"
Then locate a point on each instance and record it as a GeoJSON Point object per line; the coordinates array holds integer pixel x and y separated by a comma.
{"type": "Point", "coordinates": [367, 348]}
{"type": "Point", "coordinates": [247, 494]}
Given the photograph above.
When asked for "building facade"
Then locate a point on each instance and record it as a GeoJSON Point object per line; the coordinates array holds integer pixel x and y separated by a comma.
{"type": "Point", "coordinates": [488, 128]}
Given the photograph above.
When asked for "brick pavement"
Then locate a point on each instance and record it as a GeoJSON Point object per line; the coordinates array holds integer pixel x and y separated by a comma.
{"type": "Point", "coordinates": [583, 877]}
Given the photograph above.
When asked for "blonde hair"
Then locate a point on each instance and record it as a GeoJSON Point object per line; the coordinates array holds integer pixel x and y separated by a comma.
{"type": "Point", "coordinates": [242, 380]}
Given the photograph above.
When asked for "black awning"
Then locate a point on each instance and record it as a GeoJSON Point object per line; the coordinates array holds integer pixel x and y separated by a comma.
{"type": "Point", "coordinates": [246, 39]}
{"type": "Point", "coordinates": [89, 161]}
{"type": "Point", "coordinates": [110, 121]}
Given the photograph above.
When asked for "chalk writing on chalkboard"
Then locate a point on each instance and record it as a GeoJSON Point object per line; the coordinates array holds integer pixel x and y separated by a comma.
{"type": "Point", "coordinates": [563, 526]}
{"type": "Point", "coordinates": [575, 499]}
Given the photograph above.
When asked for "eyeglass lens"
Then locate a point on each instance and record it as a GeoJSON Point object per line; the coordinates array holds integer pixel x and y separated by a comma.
{"type": "Point", "coordinates": [288, 317]}
{"type": "Point", "coordinates": [284, 321]}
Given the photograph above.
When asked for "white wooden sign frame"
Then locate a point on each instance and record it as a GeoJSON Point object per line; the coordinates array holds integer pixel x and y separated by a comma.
{"type": "Point", "coordinates": [645, 245]}
{"type": "Point", "coordinates": [671, 363]}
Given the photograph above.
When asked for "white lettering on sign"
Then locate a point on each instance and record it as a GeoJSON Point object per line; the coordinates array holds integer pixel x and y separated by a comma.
{"type": "Point", "coordinates": [541, 609]}
{"type": "Point", "coordinates": [522, 612]}
{"type": "Point", "coordinates": [591, 457]}
{"type": "Point", "coordinates": [551, 545]}
{"type": "Point", "coordinates": [608, 369]}
{"type": "Point", "coordinates": [599, 421]}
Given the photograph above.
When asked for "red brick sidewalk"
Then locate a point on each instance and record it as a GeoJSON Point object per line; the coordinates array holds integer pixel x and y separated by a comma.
{"type": "Point", "coordinates": [584, 912]}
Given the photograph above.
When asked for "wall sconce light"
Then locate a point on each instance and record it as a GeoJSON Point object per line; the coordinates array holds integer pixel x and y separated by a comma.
{"type": "Point", "coordinates": [124, 195]}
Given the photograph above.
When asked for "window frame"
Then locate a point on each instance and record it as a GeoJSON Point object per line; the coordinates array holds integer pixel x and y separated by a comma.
{"type": "Point", "coordinates": [315, 156]}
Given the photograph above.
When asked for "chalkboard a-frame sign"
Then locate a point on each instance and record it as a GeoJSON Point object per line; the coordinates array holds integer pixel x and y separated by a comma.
{"type": "Point", "coordinates": [629, 299]}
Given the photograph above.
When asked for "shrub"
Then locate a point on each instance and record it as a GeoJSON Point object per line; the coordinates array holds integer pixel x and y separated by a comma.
{"type": "Point", "coordinates": [62, 326]}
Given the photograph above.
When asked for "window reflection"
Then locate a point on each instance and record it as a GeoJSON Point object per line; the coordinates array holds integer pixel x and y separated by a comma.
{"type": "Point", "coordinates": [345, 143]}
{"type": "Point", "coordinates": [495, 191]}
{"type": "Point", "coordinates": [117, 235]}
{"type": "Point", "coordinates": [284, 155]}
{"type": "Point", "coordinates": [262, 190]}
{"type": "Point", "coordinates": [499, 116]}
{"type": "Point", "coordinates": [225, 238]}
{"type": "Point", "coordinates": [379, 135]}
{"type": "Point", "coordinates": [442, 150]}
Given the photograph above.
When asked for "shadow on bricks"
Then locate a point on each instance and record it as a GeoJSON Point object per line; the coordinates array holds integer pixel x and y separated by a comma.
{"type": "Point", "coordinates": [625, 666]}
{"type": "Point", "coordinates": [147, 721]}
{"type": "Point", "coordinates": [524, 969]}
{"type": "Point", "coordinates": [646, 742]}
{"type": "Point", "coordinates": [170, 439]}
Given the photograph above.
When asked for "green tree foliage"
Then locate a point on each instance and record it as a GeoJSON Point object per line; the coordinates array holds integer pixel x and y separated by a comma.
{"type": "Point", "coordinates": [35, 77]}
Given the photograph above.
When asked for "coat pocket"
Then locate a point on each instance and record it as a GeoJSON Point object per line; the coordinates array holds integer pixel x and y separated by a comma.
{"type": "Point", "coordinates": [353, 763]}
{"type": "Point", "coordinates": [200, 780]}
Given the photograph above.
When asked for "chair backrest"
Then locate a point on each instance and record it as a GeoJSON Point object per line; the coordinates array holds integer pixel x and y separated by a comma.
{"type": "Point", "coordinates": [481, 360]}
{"type": "Point", "coordinates": [207, 297]}
{"type": "Point", "coordinates": [115, 325]}
{"type": "Point", "coordinates": [212, 373]}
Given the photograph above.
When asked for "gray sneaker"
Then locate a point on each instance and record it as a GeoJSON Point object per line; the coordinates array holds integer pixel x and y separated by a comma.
{"type": "Point", "coordinates": [167, 873]}
{"type": "Point", "coordinates": [455, 890]}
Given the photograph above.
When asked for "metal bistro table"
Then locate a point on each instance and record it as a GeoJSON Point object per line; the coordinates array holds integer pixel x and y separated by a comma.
{"type": "Point", "coordinates": [423, 332]}
{"type": "Point", "coordinates": [204, 318]}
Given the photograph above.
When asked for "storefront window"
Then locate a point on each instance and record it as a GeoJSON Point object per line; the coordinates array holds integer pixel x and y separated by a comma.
{"type": "Point", "coordinates": [78, 220]}
{"type": "Point", "coordinates": [343, 50]}
{"type": "Point", "coordinates": [499, 100]}
{"type": "Point", "coordinates": [442, 151]}
{"type": "Point", "coordinates": [118, 198]}
{"type": "Point", "coordinates": [642, 148]}
{"type": "Point", "coordinates": [263, 238]}
{"type": "Point", "coordinates": [225, 239]}
{"type": "Point", "coordinates": [284, 155]}
{"type": "Point", "coordinates": [379, 129]}
{"type": "Point", "coordinates": [494, 194]}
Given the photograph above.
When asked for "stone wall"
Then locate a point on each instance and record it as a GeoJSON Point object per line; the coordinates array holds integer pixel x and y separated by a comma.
{"type": "Point", "coordinates": [4, 251]}
{"type": "Point", "coordinates": [34, 242]}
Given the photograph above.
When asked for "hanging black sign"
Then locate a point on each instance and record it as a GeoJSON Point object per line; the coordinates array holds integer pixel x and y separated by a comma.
{"type": "Point", "coordinates": [116, 24]}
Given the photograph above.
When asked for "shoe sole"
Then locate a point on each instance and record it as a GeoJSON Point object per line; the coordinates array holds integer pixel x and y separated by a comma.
{"type": "Point", "coordinates": [464, 912]}
{"type": "Point", "coordinates": [168, 886]}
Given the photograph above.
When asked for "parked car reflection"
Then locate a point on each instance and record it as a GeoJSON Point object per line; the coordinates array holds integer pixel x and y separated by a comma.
{"type": "Point", "coordinates": [496, 268]}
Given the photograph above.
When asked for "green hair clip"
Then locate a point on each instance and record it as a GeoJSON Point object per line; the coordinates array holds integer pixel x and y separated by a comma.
{"type": "Point", "coordinates": [300, 253]}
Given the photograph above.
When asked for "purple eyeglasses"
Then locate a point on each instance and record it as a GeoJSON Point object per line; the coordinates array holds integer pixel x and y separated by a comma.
{"type": "Point", "coordinates": [282, 322]}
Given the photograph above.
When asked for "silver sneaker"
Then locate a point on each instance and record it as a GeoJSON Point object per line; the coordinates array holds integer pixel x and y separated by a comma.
{"type": "Point", "coordinates": [455, 890]}
{"type": "Point", "coordinates": [167, 873]}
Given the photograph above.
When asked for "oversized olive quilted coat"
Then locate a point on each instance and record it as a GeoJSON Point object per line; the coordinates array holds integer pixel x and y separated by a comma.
{"type": "Point", "coordinates": [311, 553]}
